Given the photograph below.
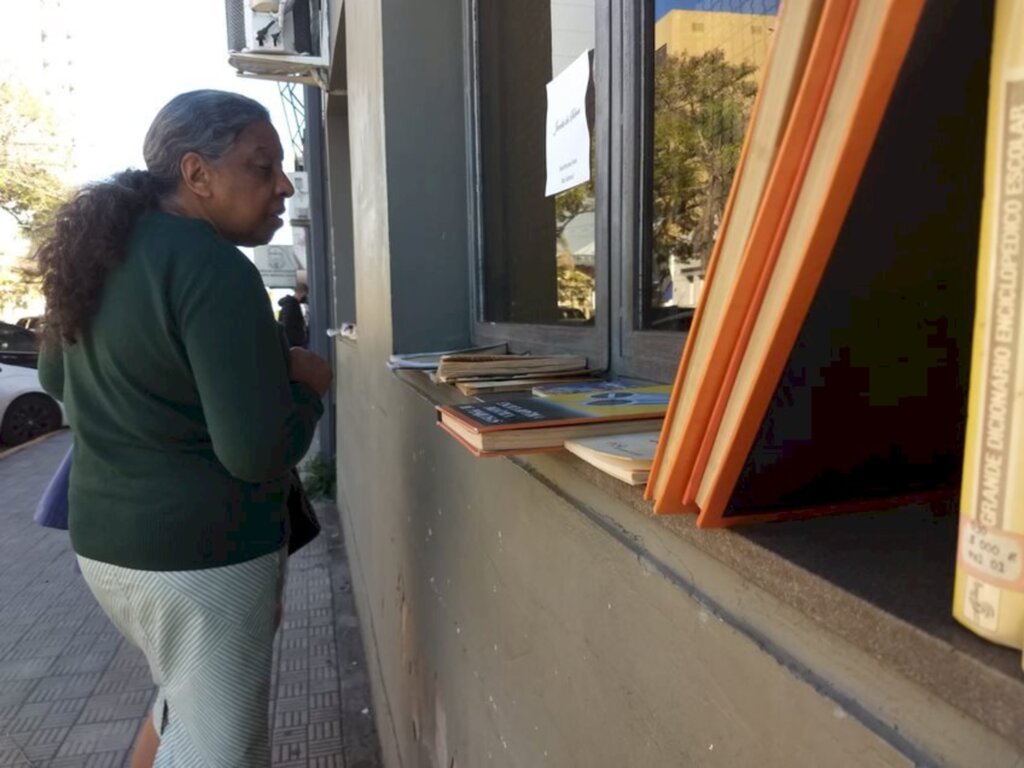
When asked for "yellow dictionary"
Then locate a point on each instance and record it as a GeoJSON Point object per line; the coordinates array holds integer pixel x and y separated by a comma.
{"type": "Point", "coordinates": [988, 597]}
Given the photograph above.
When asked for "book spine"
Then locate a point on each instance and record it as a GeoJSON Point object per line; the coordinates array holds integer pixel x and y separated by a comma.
{"type": "Point", "coordinates": [988, 595]}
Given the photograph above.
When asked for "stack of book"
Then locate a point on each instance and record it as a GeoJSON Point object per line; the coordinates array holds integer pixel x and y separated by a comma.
{"type": "Point", "coordinates": [475, 374]}
{"type": "Point", "coordinates": [428, 361]}
{"type": "Point", "coordinates": [492, 369]}
{"type": "Point", "coordinates": [826, 368]}
{"type": "Point", "coordinates": [528, 423]}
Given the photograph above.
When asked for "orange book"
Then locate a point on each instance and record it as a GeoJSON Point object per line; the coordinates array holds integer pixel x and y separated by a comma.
{"type": "Point", "coordinates": [741, 250]}
{"type": "Point", "coordinates": [784, 71]}
{"type": "Point", "coordinates": [763, 247]}
{"type": "Point", "coordinates": [879, 41]}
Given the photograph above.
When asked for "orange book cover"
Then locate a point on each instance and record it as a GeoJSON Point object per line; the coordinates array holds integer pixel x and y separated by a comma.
{"type": "Point", "coordinates": [764, 250]}
{"type": "Point", "coordinates": [800, 19]}
{"type": "Point", "coordinates": [659, 454]}
{"type": "Point", "coordinates": [890, 49]}
{"type": "Point", "coordinates": [825, 56]}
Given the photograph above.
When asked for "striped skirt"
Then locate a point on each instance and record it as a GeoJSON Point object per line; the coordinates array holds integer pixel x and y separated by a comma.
{"type": "Point", "coordinates": [208, 637]}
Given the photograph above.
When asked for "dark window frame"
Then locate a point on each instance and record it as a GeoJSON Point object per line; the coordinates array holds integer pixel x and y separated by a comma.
{"type": "Point", "coordinates": [623, 79]}
{"type": "Point", "coordinates": [648, 354]}
{"type": "Point", "coordinates": [589, 340]}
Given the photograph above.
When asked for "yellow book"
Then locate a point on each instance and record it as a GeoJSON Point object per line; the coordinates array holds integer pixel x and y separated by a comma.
{"type": "Point", "coordinates": [988, 597]}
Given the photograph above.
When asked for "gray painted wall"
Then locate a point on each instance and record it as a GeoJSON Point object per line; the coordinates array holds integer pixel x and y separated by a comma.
{"type": "Point", "coordinates": [518, 614]}
{"type": "Point", "coordinates": [424, 108]}
{"type": "Point", "coordinates": [339, 193]}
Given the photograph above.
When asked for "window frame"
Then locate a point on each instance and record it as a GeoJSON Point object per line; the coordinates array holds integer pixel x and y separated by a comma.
{"type": "Point", "coordinates": [636, 351]}
{"type": "Point", "coordinates": [590, 340]}
{"type": "Point", "coordinates": [622, 88]}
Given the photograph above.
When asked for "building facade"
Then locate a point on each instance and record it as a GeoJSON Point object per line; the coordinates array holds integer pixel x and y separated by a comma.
{"type": "Point", "coordinates": [741, 36]}
{"type": "Point", "coordinates": [530, 611]}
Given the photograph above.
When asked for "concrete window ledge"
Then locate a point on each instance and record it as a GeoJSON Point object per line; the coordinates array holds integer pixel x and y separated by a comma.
{"type": "Point", "coordinates": [858, 605]}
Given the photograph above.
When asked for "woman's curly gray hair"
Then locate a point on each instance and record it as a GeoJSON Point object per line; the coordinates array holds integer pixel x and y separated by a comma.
{"type": "Point", "coordinates": [90, 232]}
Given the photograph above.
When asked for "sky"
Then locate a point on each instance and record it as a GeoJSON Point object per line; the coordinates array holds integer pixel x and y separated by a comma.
{"type": "Point", "coordinates": [105, 69]}
{"type": "Point", "coordinates": [661, 7]}
{"type": "Point", "coordinates": [125, 59]}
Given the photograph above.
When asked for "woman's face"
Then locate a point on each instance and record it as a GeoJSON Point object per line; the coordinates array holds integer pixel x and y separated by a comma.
{"type": "Point", "coordinates": [248, 188]}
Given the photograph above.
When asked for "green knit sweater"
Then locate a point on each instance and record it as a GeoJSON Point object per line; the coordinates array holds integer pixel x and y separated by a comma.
{"type": "Point", "coordinates": [185, 422]}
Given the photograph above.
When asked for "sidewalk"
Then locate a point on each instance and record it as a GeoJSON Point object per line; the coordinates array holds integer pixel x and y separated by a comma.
{"type": "Point", "coordinates": [73, 692]}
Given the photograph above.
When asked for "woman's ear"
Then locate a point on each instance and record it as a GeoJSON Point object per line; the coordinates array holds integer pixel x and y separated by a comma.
{"type": "Point", "coordinates": [195, 174]}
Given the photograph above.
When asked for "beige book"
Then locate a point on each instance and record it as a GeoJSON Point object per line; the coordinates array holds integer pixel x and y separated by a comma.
{"type": "Point", "coordinates": [626, 457]}
{"type": "Point", "coordinates": [455, 367]}
{"type": "Point", "coordinates": [988, 596]}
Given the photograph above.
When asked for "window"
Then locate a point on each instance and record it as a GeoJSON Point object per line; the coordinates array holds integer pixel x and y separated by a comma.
{"type": "Point", "coordinates": [541, 268]}
{"type": "Point", "coordinates": [702, 97]}
{"type": "Point", "coordinates": [613, 268]}
{"type": "Point", "coordinates": [678, 158]}
{"type": "Point", "coordinates": [540, 250]}
{"type": "Point", "coordinates": [18, 346]}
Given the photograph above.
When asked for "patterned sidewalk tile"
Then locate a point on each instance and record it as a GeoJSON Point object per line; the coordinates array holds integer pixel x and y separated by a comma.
{"type": "Point", "coordinates": [73, 693]}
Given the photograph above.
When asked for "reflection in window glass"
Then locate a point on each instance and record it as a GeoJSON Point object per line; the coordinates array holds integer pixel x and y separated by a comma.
{"type": "Point", "coordinates": [539, 256]}
{"type": "Point", "coordinates": [707, 64]}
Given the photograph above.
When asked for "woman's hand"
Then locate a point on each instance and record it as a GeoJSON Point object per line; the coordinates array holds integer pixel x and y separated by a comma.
{"type": "Point", "coordinates": [312, 370]}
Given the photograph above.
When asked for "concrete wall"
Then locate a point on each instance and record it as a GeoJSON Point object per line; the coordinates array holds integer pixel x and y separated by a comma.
{"type": "Point", "coordinates": [339, 227]}
{"type": "Point", "coordinates": [515, 613]}
{"type": "Point", "coordinates": [424, 110]}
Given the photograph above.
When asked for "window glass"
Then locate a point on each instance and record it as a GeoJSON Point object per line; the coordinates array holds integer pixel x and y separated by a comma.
{"type": "Point", "coordinates": [538, 252]}
{"type": "Point", "coordinates": [15, 338]}
{"type": "Point", "coordinates": [707, 60]}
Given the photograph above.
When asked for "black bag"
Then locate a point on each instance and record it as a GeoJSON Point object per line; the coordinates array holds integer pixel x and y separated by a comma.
{"type": "Point", "coordinates": [303, 525]}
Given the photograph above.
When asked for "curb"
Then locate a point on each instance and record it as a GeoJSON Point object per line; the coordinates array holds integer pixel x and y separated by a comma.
{"type": "Point", "coordinates": [4, 454]}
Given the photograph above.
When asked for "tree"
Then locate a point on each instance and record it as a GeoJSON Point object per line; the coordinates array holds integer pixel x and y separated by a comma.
{"type": "Point", "coordinates": [575, 287]}
{"type": "Point", "coordinates": [701, 108]}
{"type": "Point", "coordinates": [30, 191]}
{"type": "Point", "coordinates": [570, 204]}
{"type": "Point", "coordinates": [30, 151]}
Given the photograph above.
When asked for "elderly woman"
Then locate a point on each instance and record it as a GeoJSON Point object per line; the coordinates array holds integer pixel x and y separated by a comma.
{"type": "Point", "coordinates": [188, 413]}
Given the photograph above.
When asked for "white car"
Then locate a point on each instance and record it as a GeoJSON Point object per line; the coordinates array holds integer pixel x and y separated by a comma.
{"type": "Point", "coordinates": [26, 411]}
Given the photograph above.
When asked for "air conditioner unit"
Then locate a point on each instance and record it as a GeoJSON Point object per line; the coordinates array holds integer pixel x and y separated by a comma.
{"type": "Point", "coordinates": [285, 45]}
{"type": "Point", "coordinates": [298, 204]}
{"type": "Point", "coordinates": [269, 32]}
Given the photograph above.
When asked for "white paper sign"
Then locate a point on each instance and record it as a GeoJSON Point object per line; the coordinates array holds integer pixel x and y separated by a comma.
{"type": "Point", "coordinates": [568, 135]}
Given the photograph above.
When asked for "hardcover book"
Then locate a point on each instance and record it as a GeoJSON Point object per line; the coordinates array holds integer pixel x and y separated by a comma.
{"type": "Point", "coordinates": [521, 424]}
{"type": "Point", "coordinates": [989, 588]}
